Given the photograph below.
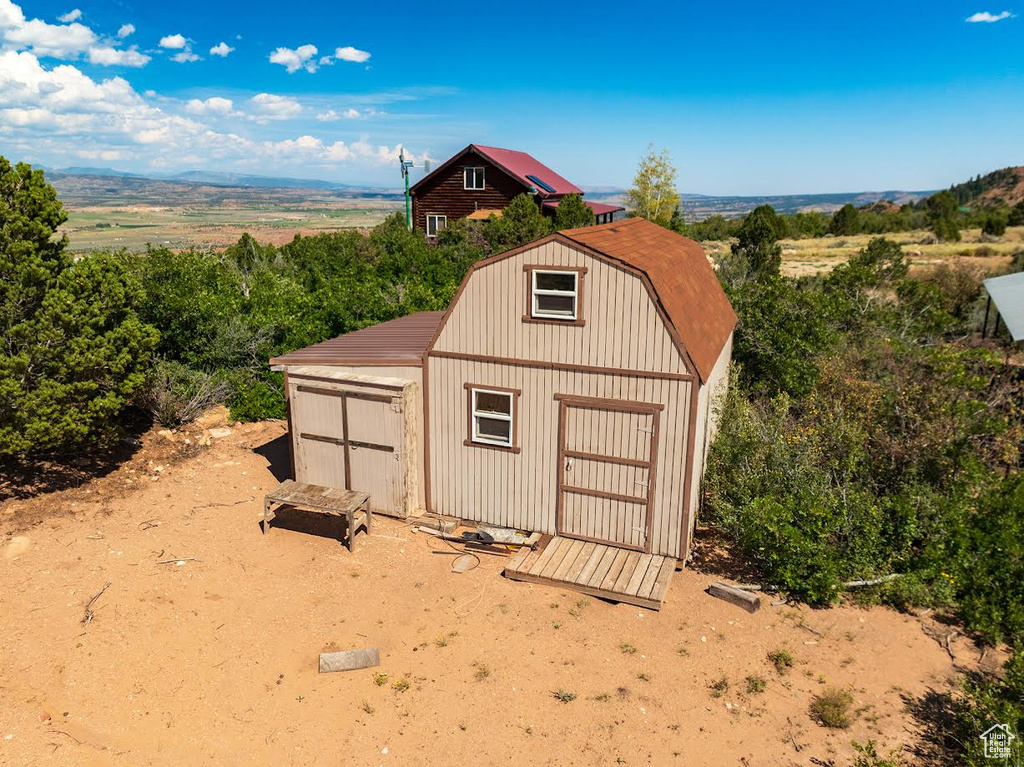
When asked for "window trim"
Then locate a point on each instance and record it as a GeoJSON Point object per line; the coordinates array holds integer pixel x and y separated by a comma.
{"type": "Point", "coordinates": [436, 228]}
{"type": "Point", "coordinates": [529, 314]}
{"type": "Point", "coordinates": [483, 178]}
{"type": "Point", "coordinates": [475, 441]}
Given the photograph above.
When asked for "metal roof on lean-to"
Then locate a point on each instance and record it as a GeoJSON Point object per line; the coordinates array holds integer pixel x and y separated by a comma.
{"type": "Point", "coordinates": [397, 342]}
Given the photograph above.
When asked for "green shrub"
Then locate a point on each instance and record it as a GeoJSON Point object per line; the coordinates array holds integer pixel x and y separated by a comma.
{"type": "Point", "coordinates": [74, 350]}
{"type": "Point", "coordinates": [832, 708]}
{"type": "Point", "coordinates": [986, 701]}
{"type": "Point", "coordinates": [990, 564]}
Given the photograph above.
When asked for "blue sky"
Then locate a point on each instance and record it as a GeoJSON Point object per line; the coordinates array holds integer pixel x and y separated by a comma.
{"type": "Point", "coordinates": [750, 98]}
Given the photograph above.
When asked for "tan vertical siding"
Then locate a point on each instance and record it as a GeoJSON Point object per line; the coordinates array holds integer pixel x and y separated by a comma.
{"type": "Point", "coordinates": [623, 328]}
{"type": "Point", "coordinates": [709, 403]}
{"type": "Point", "coordinates": [519, 489]}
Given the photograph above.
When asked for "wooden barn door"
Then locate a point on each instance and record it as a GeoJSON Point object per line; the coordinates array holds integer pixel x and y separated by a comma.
{"type": "Point", "coordinates": [375, 438]}
{"type": "Point", "coordinates": [318, 439]}
{"type": "Point", "coordinates": [607, 465]}
{"type": "Point", "coordinates": [350, 439]}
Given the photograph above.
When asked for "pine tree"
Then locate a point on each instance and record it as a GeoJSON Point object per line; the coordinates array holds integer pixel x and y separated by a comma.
{"type": "Point", "coordinates": [74, 351]}
{"type": "Point", "coordinates": [572, 212]}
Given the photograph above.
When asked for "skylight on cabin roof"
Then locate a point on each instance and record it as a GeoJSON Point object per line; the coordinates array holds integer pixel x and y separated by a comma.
{"type": "Point", "coordinates": [542, 184]}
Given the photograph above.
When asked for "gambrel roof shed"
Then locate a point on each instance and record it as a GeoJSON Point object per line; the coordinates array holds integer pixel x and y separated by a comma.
{"type": "Point", "coordinates": [681, 277]}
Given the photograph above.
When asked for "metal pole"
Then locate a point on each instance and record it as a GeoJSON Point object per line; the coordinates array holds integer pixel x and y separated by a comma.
{"type": "Point", "coordinates": [984, 326]}
{"type": "Point", "coordinates": [408, 208]}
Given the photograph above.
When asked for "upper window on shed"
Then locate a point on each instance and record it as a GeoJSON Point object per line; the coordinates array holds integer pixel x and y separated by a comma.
{"type": "Point", "coordinates": [554, 294]}
{"type": "Point", "coordinates": [473, 178]}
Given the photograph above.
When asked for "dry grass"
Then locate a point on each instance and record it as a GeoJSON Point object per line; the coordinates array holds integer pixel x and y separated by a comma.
{"type": "Point", "coordinates": [822, 254]}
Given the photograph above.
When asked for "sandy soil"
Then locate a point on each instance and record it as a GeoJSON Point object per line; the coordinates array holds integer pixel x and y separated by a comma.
{"type": "Point", "coordinates": [214, 660]}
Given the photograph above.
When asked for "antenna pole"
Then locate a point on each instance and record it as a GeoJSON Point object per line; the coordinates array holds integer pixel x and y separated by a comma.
{"type": "Point", "coordinates": [408, 207]}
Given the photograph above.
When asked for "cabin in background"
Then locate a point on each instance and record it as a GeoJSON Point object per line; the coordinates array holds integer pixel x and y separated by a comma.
{"type": "Point", "coordinates": [482, 180]}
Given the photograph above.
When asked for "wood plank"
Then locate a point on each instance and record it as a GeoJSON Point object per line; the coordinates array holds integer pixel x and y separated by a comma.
{"type": "Point", "coordinates": [603, 566]}
{"type": "Point", "coordinates": [590, 567]}
{"type": "Point", "coordinates": [645, 564]}
{"type": "Point", "coordinates": [531, 557]}
{"type": "Point", "coordinates": [747, 600]}
{"type": "Point", "coordinates": [652, 604]}
{"type": "Point", "coordinates": [519, 558]}
{"type": "Point", "coordinates": [660, 588]}
{"type": "Point", "coordinates": [632, 560]}
{"type": "Point", "coordinates": [652, 576]}
{"type": "Point", "coordinates": [621, 555]}
{"type": "Point", "coordinates": [568, 561]}
{"type": "Point", "coordinates": [573, 573]}
{"type": "Point", "coordinates": [545, 556]}
{"type": "Point", "coordinates": [349, 660]}
{"type": "Point", "coordinates": [564, 545]}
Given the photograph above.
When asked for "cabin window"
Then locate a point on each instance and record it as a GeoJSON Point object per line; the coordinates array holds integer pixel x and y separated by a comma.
{"type": "Point", "coordinates": [555, 294]}
{"type": "Point", "coordinates": [435, 223]}
{"type": "Point", "coordinates": [492, 416]}
{"type": "Point", "coordinates": [472, 178]}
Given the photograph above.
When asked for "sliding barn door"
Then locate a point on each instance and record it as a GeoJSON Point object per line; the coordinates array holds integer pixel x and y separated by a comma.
{"type": "Point", "coordinates": [607, 466]}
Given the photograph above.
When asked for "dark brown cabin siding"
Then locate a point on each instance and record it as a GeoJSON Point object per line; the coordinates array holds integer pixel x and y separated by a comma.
{"type": "Point", "coordinates": [444, 194]}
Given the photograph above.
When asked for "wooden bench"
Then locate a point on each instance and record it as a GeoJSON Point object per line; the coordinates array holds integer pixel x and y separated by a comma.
{"type": "Point", "coordinates": [335, 501]}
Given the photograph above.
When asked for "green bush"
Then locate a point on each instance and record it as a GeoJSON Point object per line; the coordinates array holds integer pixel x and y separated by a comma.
{"type": "Point", "coordinates": [986, 701]}
{"type": "Point", "coordinates": [990, 565]}
{"type": "Point", "coordinates": [75, 351]}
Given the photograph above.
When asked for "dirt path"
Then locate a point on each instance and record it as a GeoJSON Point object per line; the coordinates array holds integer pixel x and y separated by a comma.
{"type": "Point", "coordinates": [214, 660]}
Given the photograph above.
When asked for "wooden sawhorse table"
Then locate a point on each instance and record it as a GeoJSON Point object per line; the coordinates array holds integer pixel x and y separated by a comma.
{"type": "Point", "coordinates": [336, 501]}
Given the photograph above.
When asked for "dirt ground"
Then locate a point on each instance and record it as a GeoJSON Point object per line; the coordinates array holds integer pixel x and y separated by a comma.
{"type": "Point", "coordinates": [203, 649]}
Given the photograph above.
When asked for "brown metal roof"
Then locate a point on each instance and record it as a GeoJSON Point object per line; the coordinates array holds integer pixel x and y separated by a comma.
{"type": "Point", "coordinates": [396, 342]}
{"type": "Point", "coordinates": [682, 277]}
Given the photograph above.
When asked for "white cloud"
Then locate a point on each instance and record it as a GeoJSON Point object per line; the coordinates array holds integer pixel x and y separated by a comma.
{"type": "Point", "coordinates": [174, 42]}
{"type": "Point", "coordinates": [73, 15]}
{"type": "Point", "coordinates": [268, 106]}
{"type": "Point", "coordinates": [348, 53]}
{"type": "Point", "coordinates": [126, 30]}
{"type": "Point", "coordinates": [985, 17]}
{"type": "Point", "coordinates": [59, 41]}
{"type": "Point", "coordinates": [222, 49]}
{"type": "Point", "coordinates": [294, 60]}
{"type": "Point", "coordinates": [185, 57]}
{"type": "Point", "coordinates": [348, 114]}
{"type": "Point", "coordinates": [215, 105]}
{"type": "Point", "coordinates": [108, 56]}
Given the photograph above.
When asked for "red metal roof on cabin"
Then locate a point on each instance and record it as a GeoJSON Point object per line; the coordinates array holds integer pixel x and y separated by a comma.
{"type": "Point", "coordinates": [521, 165]}
{"type": "Point", "coordinates": [397, 342]}
{"type": "Point", "coordinates": [597, 207]}
{"type": "Point", "coordinates": [686, 284]}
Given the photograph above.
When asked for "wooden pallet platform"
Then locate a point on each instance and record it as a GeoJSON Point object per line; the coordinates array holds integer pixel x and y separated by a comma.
{"type": "Point", "coordinates": [597, 569]}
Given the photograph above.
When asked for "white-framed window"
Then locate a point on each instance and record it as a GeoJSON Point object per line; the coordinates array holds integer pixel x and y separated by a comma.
{"type": "Point", "coordinates": [492, 416]}
{"type": "Point", "coordinates": [435, 223]}
{"type": "Point", "coordinates": [554, 294]}
{"type": "Point", "coordinates": [473, 178]}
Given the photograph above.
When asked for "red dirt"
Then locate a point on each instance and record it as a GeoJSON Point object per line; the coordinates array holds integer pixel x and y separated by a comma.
{"type": "Point", "coordinates": [215, 660]}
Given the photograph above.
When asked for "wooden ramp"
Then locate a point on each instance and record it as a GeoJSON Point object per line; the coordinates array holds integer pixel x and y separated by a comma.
{"type": "Point", "coordinates": [596, 569]}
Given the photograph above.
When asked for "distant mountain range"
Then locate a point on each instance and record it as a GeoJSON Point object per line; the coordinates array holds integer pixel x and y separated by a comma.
{"type": "Point", "coordinates": [211, 178]}
{"type": "Point", "coordinates": [1002, 186]}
